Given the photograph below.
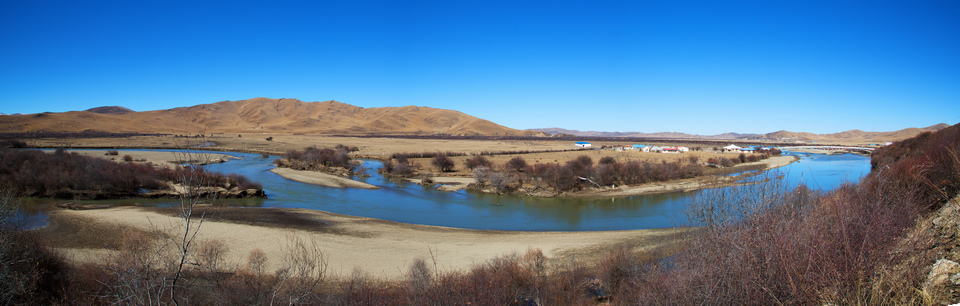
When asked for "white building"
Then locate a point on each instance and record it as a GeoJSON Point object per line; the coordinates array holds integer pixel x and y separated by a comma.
{"type": "Point", "coordinates": [732, 149]}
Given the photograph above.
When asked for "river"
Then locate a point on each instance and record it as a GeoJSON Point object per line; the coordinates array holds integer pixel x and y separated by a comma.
{"type": "Point", "coordinates": [411, 203]}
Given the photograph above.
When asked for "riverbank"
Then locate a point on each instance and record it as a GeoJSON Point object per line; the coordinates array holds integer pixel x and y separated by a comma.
{"type": "Point", "coordinates": [159, 157]}
{"type": "Point", "coordinates": [686, 185]}
{"type": "Point", "coordinates": [383, 249]}
{"type": "Point", "coordinates": [321, 179]}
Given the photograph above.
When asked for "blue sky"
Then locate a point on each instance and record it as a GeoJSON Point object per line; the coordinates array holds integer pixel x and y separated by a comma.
{"type": "Point", "coordinates": [701, 67]}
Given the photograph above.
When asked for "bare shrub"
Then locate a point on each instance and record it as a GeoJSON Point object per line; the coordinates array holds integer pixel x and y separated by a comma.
{"type": "Point", "coordinates": [70, 175]}
{"type": "Point", "coordinates": [517, 164]}
{"type": "Point", "coordinates": [211, 255]}
{"type": "Point", "coordinates": [481, 174]}
{"type": "Point", "coordinates": [301, 272]}
{"type": "Point", "coordinates": [501, 182]}
{"type": "Point", "coordinates": [403, 170]}
{"type": "Point", "coordinates": [477, 161]}
{"type": "Point", "coordinates": [256, 262]}
{"type": "Point", "coordinates": [443, 163]}
{"type": "Point", "coordinates": [419, 279]}
{"type": "Point", "coordinates": [112, 152]}
{"type": "Point", "coordinates": [13, 143]}
{"type": "Point", "coordinates": [139, 272]}
{"type": "Point", "coordinates": [29, 272]}
{"type": "Point", "coordinates": [607, 160]}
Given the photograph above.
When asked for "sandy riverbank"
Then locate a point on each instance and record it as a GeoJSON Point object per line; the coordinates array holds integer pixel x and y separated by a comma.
{"type": "Point", "coordinates": [320, 178]}
{"type": "Point", "coordinates": [382, 248]}
{"type": "Point", "coordinates": [447, 183]}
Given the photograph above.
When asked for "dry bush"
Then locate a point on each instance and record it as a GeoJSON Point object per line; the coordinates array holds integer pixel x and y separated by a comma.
{"type": "Point", "coordinates": [138, 272]}
{"type": "Point", "coordinates": [501, 182]}
{"type": "Point", "coordinates": [442, 162]}
{"type": "Point", "coordinates": [302, 271]}
{"type": "Point", "coordinates": [477, 161]}
{"type": "Point", "coordinates": [38, 174]}
{"type": "Point", "coordinates": [361, 289]}
{"type": "Point", "coordinates": [481, 174]}
{"type": "Point", "coordinates": [419, 279]}
{"type": "Point", "coordinates": [211, 256]}
{"type": "Point", "coordinates": [765, 244]}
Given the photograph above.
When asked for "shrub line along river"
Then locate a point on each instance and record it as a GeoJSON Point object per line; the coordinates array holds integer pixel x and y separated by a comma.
{"type": "Point", "coordinates": [411, 203]}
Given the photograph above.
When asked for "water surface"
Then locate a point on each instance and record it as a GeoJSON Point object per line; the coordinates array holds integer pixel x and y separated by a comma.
{"type": "Point", "coordinates": [411, 203]}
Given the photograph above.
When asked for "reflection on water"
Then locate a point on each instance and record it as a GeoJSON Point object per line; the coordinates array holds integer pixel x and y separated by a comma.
{"type": "Point", "coordinates": [410, 203]}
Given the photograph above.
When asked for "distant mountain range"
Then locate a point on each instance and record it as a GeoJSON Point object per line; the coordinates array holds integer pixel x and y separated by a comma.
{"type": "Point", "coordinates": [783, 136]}
{"type": "Point", "coordinates": [672, 135]}
{"type": "Point", "coordinates": [264, 115]}
{"type": "Point", "coordinates": [332, 117]}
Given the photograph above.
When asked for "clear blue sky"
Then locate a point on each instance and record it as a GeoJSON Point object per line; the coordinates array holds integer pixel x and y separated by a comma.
{"type": "Point", "coordinates": [702, 67]}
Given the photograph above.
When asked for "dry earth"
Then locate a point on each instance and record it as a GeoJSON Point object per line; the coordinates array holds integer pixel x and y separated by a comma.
{"type": "Point", "coordinates": [382, 248]}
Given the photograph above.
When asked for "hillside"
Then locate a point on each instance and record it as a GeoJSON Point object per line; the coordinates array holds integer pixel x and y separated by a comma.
{"type": "Point", "coordinates": [263, 115]}
{"type": "Point", "coordinates": [853, 135]}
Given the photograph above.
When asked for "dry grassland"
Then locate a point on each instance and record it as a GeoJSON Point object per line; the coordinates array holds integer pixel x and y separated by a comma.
{"type": "Point", "coordinates": [383, 147]}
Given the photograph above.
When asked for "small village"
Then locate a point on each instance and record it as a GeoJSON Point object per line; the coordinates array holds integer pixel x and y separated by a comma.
{"type": "Point", "coordinates": [678, 149]}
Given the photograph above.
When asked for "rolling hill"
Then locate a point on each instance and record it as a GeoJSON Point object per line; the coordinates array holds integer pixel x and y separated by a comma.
{"type": "Point", "coordinates": [264, 115]}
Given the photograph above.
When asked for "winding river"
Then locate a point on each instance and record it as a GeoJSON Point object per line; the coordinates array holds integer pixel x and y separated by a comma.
{"type": "Point", "coordinates": [412, 203]}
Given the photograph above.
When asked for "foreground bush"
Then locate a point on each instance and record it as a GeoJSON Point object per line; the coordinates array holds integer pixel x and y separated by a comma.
{"type": "Point", "coordinates": [29, 272]}
{"type": "Point", "coordinates": [766, 244]}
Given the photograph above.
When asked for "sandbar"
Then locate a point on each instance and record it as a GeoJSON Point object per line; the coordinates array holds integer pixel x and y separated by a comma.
{"type": "Point", "coordinates": [320, 178]}
{"type": "Point", "coordinates": [383, 249]}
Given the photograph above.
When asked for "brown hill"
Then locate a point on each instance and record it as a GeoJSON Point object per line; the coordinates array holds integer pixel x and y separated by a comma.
{"type": "Point", "coordinates": [266, 115]}
{"type": "Point", "coordinates": [110, 110]}
{"type": "Point", "coordinates": [853, 135]}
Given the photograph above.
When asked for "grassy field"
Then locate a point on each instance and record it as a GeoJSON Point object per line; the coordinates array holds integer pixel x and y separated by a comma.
{"type": "Point", "coordinates": [383, 147]}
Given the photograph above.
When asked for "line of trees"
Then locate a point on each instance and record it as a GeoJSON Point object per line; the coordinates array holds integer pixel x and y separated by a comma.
{"type": "Point", "coordinates": [432, 154]}
{"type": "Point", "coordinates": [578, 173]}
{"type": "Point", "coordinates": [742, 158]}
{"type": "Point", "coordinates": [66, 175]}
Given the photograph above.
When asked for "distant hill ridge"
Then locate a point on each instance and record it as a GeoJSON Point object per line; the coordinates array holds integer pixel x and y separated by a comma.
{"type": "Point", "coordinates": [110, 110]}
{"type": "Point", "coordinates": [786, 136]}
{"type": "Point", "coordinates": [265, 115]}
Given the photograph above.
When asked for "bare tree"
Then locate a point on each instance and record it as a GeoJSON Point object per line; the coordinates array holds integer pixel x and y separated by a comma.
{"type": "Point", "coordinates": [303, 269]}
{"type": "Point", "coordinates": [195, 196]}
{"type": "Point", "coordinates": [443, 163]}
{"type": "Point", "coordinates": [516, 164]}
{"type": "Point", "coordinates": [501, 182]}
{"type": "Point", "coordinates": [481, 174]}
